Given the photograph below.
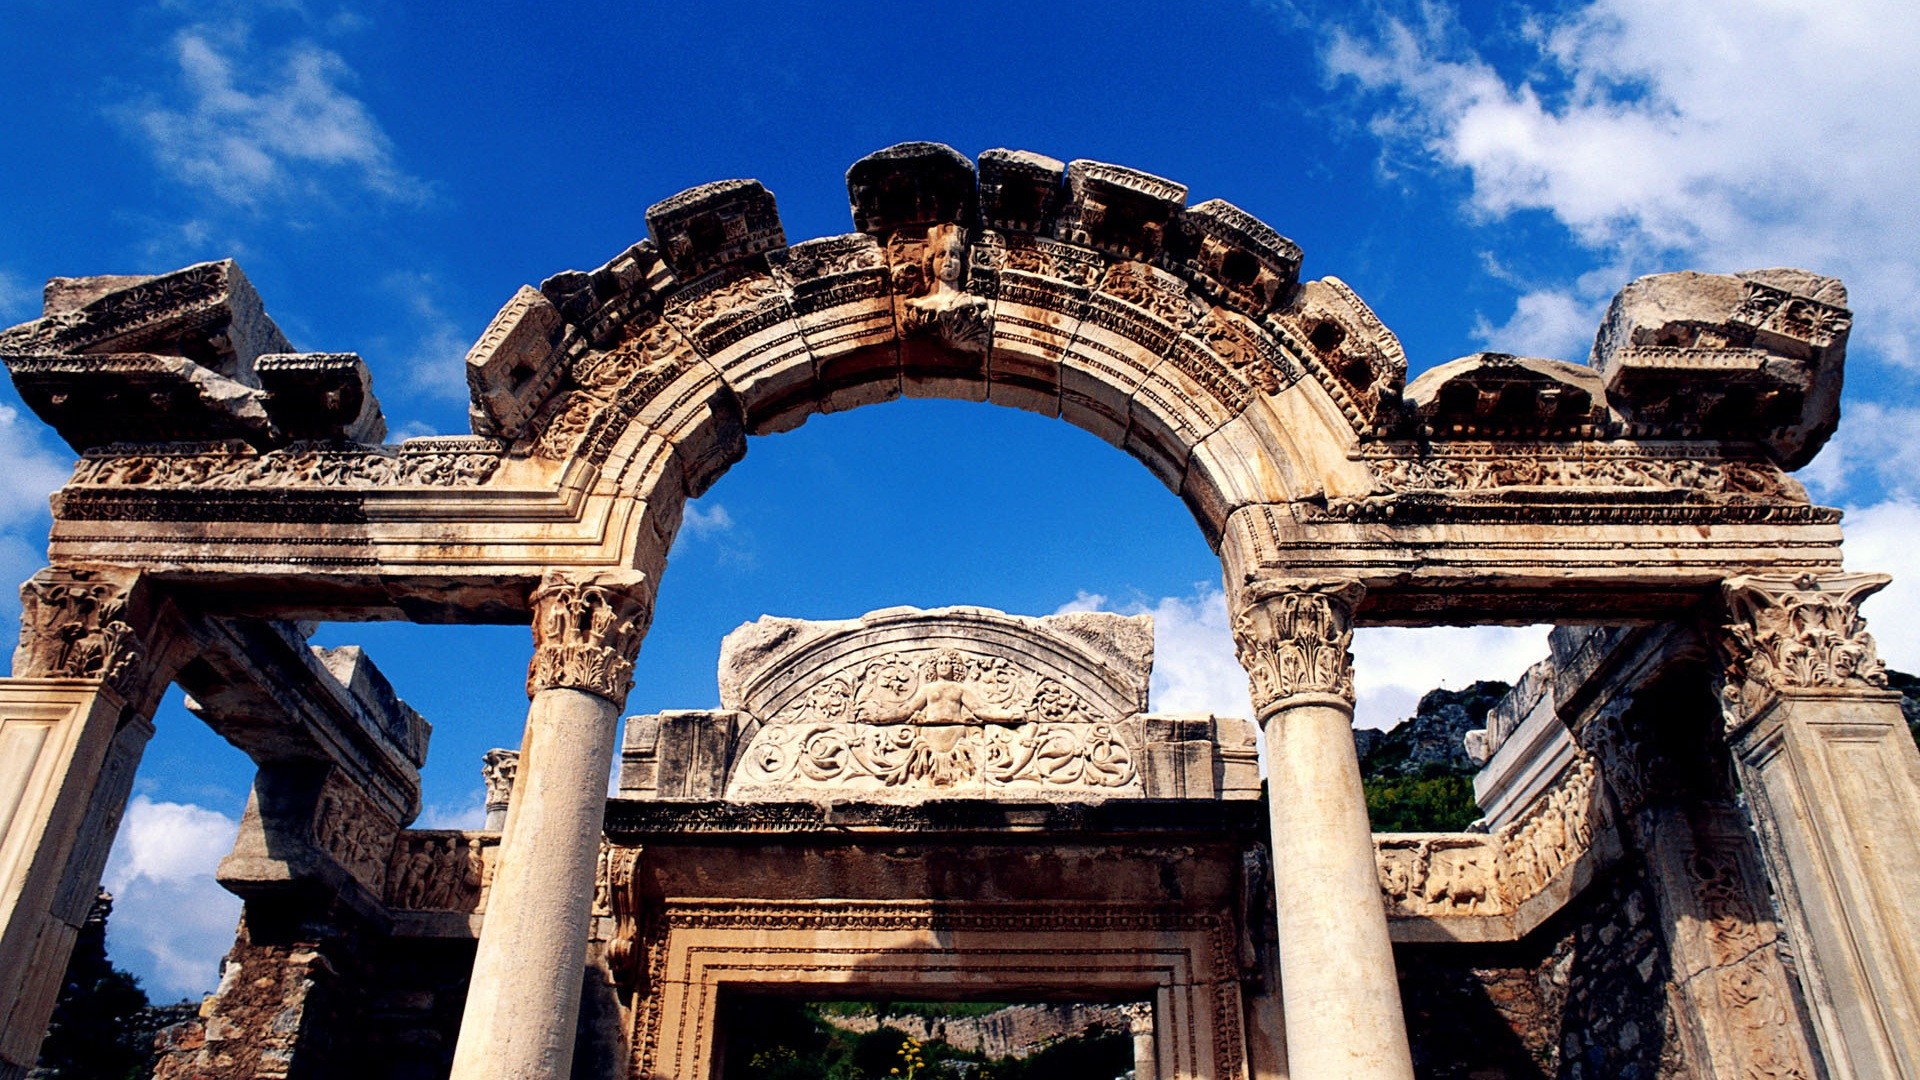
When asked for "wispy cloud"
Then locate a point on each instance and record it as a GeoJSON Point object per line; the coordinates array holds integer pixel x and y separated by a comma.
{"type": "Point", "coordinates": [1194, 668]}
{"type": "Point", "coordinates": [18, 300]}
{"type": "Point", "coordinates": [1880, 538]}
{"type": "Point", "coordinates": [1777, 134]}
{"type": "Point", "coordinates": [172, 922]}
{"type": "Point", "coordinates": [469, 813]}
{"type": "Point", "coordinates": [707, 522]}
{"type": "Point", "coordinates": [252, 126]}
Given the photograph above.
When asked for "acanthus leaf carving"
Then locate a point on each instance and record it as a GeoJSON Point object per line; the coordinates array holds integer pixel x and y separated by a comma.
{"type": "Point", "coordinates": [1292, 636]}
{"type": "Point", "coordinates": [74, 626]}
{"type": "Point", "coordinates": [1796, 633]}
{"type": "Point", "coordinates": [587, 630]}
{"type": "Point", "coordinates": [498, 767]}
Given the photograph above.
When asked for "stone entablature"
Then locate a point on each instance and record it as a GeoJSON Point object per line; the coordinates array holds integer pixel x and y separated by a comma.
{"type": "Point", "coordinates": [904, 704]}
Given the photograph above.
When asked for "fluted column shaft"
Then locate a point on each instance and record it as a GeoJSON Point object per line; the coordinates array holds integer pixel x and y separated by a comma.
{"type": "Point", "coordinates": [1342, 1001]}
{"type": "Point", "coordinates": [524, 999]}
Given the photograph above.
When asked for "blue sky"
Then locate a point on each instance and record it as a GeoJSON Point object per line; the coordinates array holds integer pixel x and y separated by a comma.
{"type": "Point", "coordinates": [389, 174]}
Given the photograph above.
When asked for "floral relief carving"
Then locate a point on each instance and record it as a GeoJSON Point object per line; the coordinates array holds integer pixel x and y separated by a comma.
{"type": "Point", "coordinates": [73, 626]}
{"type": "Point", "coordinates": [1485, 466]}
{"type": "Point", "coordinates": [941, 720]}
{"type": "Point", "coordinates": [1798, 633]}
{"type": "Point", "coordinates": [587, 630]}
{"type": "Point", "coordinates": [1292, 636]}
{"type": "Point", "coordinates": [457, 463]}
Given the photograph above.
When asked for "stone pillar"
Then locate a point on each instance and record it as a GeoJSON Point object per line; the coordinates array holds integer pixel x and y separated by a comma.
{"type": "Point", "coordinates": [1833, 782]}
{"type": "Point", "coordinates": [1338, 989]}
{"type": "Point", "coordinates": [74, 720]}
{"type": "Point", "coordinates": [1140, 1026]}
{"type": "Point", "coordinates": [524, 999]}
{"type": "Point", "coordinates": [497, 767]}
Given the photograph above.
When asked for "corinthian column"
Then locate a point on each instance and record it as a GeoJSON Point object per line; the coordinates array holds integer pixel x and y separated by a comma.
{"type": "Point", "coordinates": [524, 1000]}
{"type": "Point", "coordinates": [74, 719]}
{"type": "Point", "coordinates": [1833, 781]}
{"type": "Point", "coordinates": [1342, 1002]}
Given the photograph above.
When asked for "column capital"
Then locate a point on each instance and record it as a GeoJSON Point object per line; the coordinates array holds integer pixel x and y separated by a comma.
{"type": "Point", "coordinates": [1292, 635]}
{"type": "Point", "coordinates": [78, 624]}
{"type": "Point", "coordinates": [587, 628]}
{"type": "Point", "coordinates": [1791, 633]}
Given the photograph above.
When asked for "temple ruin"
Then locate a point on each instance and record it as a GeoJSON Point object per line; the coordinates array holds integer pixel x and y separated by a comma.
{"type": "Point", "coordinates": [1701, 844]}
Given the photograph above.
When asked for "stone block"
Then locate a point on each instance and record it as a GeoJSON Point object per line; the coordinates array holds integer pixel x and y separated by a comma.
{"type": "Point", "coordinates": [715, 225]}
{"type": "Point", "coordinates": [325, 396]}
{"type": "Point", "coordinates": [514, 367]}
{"type": "Point", "coordinates": [208, 313]}
{"type": "Point", "coordinates": [742, 321]}
{"type": "Point", "coordinates": [1123, 212]}
{"type": "Point", "coordinates": [1238, 257]}
{"type": "Point", "coordinates": [1496, 396]}
{"type": "Point", "coordinates": [1750, 356]}
{"type": "Point", "coordinates": [1357, 359]}
{"type": "Point", "coordinates": [96, 400]}
{"type": "Point", "coordinates": [1020, 191]}
{"type": "Point", "coordinates": [912, 183]}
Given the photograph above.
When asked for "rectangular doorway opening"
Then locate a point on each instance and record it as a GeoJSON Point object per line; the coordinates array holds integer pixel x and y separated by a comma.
{"type": "Point", "coordinates": [767, 1036]}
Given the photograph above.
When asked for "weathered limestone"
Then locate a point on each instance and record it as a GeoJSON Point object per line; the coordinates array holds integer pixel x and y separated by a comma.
{"type": "Point", "coordinates": [1341, 1003]}
{"type": "Point", "coordinates": [525, 994]}
{"type": "Point", "coordinates": [1494, 488]}
{"type": "Point", "coordinates": [1833, 781]}
{"type": "Point", "coordinates": [73, 722]}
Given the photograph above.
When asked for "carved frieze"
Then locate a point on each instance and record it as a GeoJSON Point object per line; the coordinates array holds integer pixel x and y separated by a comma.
{"type": "Point", "coordinates": [1452, 874]}
{"type": "Point", "coordinates": [587, 630]}
{"type": "Point", "coordinates": [946, 721]}
{"type": "Point", "coordinates": [440, 462]}
{"type": "Point", "coordinates": [349, 827]}
{"type": "Point", "coordinates": [73, 625]}
{"type": "Point", "coordinates": [440, 871]}
{"type": "Point", "coordinates": [1796, 633]}
{"type": "Point", "coordinates": [1292, 636]}
{"type": "Point", "coordinates": [1485, 466]}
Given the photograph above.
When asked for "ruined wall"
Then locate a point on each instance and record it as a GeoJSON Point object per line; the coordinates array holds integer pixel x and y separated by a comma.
{"type": "Point", "coordinates": [1584, 997]}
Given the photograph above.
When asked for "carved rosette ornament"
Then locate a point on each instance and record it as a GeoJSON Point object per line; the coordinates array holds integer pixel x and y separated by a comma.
{"type": "Point", "coordinates": [587, 630]}
{"type": "Point", "coordinates": [1292, 636]}
{"type": "Point", "coordinates": [73, 625]}
{"type": "Point", "coordinates": [1796, 633]}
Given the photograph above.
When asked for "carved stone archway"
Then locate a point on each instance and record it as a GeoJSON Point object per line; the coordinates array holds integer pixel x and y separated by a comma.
{"type": "Point", "coordinates": [1491, 489]}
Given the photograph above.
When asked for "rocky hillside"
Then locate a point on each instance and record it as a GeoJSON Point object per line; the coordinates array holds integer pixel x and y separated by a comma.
{"type": "Point", "coordinates": [1417, 776]}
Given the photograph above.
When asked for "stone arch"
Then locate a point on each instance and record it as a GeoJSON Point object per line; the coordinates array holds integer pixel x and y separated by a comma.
{"type": "Point", "coordinates": [1087, 291]}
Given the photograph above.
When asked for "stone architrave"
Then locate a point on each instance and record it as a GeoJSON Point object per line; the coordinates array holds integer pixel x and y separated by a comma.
{"type": "Point", "coordinates": [74, 720]}
{"type": "Point", "coordinates": [525, 994]}
{"type": "Point", "coordinates": [1339, 993]}
{"type": "Point", "coordinates": [1833, 781]}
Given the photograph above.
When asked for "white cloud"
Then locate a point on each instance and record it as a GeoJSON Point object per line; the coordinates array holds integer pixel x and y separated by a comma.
{"type": "Point", "coordinates": [434, 362]}
{"type": "Point", "coordinates": [171, 921]}
{"type": "Point", "coordinates": [251, 126]}
{"type": "Point", "coordinates": [1549, 322]}
{"type": "Point", "coordinates": [470, 813]}
{"type": "Point", "coordinates": [1394, 665]}
{"type": "Point", "coordinates": [1194, 668]}
{"type": "Point", "coordinates": [1721, 133]}
{"type": "Point", "coordinates": [706, 523]}
{"type": "Point", "coordinates": [1877, 446]}
{"type": "Point", "coordinates": [1881, 538]}
{"type": "Point", "coordinates": [33, 472]}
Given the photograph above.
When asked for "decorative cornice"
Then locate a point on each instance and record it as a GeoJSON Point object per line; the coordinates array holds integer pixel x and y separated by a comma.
{"type": "Point", "coordinates": [74, 625]}
{"type": "Point", "coordinates": [1292, 636]}
{"type": "Point", "coordinates": [587, 630]}
{"type": "Point", "coordinates": [1788, 634]}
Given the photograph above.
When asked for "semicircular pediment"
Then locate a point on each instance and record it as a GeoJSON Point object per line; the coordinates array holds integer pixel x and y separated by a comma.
{"type": "Point", "coordinates": [951, 702]}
